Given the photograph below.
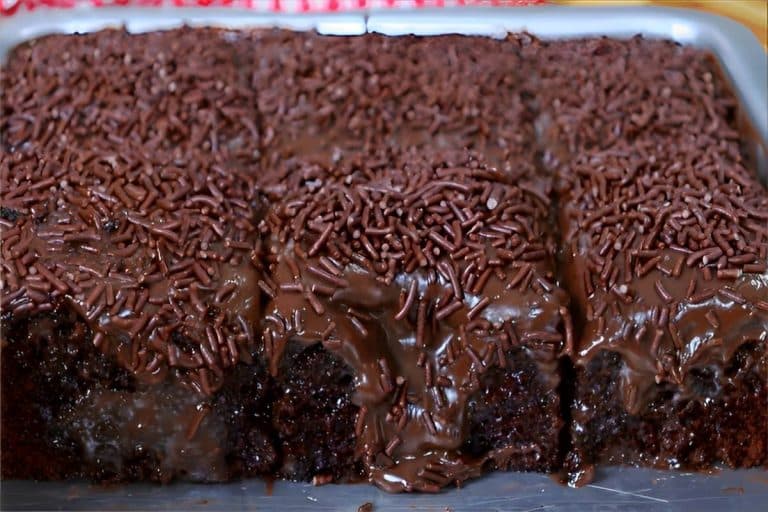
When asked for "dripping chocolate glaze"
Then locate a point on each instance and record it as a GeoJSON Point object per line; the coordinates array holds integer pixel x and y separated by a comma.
{"type": "Point", "coordinates": [420, 272]}
{"type": "Point", "coordinates": [159, 200]}
{"type": "Point", "coordinates": [129, 175]}
{"type": "Point", "coordinates": [665, 230]}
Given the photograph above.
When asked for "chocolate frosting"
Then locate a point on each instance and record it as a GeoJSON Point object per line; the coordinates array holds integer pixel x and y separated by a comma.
{"type": "Point", "coordinates": [417, 334]}
{"type": "Point", "coordinates": [420, 266]}
{"type": "Point", "coordinates": [665, 246]}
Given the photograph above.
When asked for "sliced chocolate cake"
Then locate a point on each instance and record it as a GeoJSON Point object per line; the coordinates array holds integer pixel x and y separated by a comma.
{"type": "Point", "coordinates": [130, 293]}
{"type": "Point", "coordinates": [665, 253]}
{"type": "Point", "coordinates": [123, 157]}
{"type": "Point", "coordinates": [238, 253]}
{"type": "Point", "coordinates": [426, 282]}
{"type": "Point", "coordinates": [322, 97]}
{"type": "Point", "coordinates": [667, 264]}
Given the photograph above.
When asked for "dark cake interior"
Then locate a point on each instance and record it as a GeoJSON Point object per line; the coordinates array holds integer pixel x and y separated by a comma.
{"type": "Point", "coordinates": [230, 254]}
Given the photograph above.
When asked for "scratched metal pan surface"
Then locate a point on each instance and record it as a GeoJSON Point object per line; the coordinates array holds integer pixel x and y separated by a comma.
{"type": "Point", "coordinates": [744, 62]}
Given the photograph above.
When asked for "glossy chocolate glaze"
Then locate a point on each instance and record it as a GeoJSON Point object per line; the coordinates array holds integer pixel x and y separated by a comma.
{"type": "Point", "coordinates": [414, 370]}
{"type": "Point", "coordinates": [664, 245]}
{"type": "Point", "coordinates": [387, 339]}
{"type": "Point", "coordinates": [161, 351]}
{"type": "Point", "coordinates": [130, 201]}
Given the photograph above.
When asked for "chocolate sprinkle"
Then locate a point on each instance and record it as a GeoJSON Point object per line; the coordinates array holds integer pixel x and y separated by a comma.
{"type": "Point", "coordinates": [170, 194]}
{"type": "Point", "coordinates": [657, 206]}
{"type": "Point", "coordinates": [395, 203]}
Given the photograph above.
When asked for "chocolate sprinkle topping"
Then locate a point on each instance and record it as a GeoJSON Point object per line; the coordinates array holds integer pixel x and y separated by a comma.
{"type": "Point", "coordinates": [393, 205]}
{"type": "Point", "coordinates": [657, 205]}
{"type": "Point", "coordinates": [383, 223]}
{"type": "Point", "coordinates": [414, 247]}
{"type": "Point", "coordinates": [148, 228]}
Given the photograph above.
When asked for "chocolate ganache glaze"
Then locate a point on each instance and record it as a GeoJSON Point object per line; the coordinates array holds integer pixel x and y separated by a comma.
{"type": "Point", "coordinates": [676, 284]}
{"type": "Point", "coordinates": [664, 251]}
{"type": "Point", "coordinates": [421, 272]}
{"type": "Point", "coordinates": [322, 97]}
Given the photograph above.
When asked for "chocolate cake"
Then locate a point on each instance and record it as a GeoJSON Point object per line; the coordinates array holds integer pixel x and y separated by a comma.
{"type": "Point", "coordinates": [130, 258]}
{"type": "Point", "coordinates": [322, 97]}
{"type": "Point", "coordinates": [237, 253]}
{"type": "Point", "coordinates": [140, 312]}
{"type": "Point", "coordinates": [664, 245]}
{"type": "Point", "coordinates": [431, 277]}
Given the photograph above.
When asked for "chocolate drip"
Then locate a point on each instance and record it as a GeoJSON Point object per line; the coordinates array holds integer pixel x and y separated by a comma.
{"type": "Point", "coordinates": [665, 253]}
{"type": "Point", "coordinates": [389, 201]}
{"type": "Point", "coordinates": [417, 341]}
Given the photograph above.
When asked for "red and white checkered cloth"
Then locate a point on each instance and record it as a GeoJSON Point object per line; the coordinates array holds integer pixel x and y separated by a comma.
{"type": "Point", "coordinates": [11, 7]}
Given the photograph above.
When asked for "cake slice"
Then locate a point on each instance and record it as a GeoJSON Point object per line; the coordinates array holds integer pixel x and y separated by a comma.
{"type": "Point", "coordinates": [426, 280]}
{"type": "Point", "coordinates": [130, 294]}
{"type": "Point", "coordinates": [323, 97]}
{"type": "Point", "coordinates": [670, 271]}
{"type": "Point", "coordinates": [138, 95]}
{"type": "Point", "coordinates": [665, 254]}
{"type": "Point", "coordinates": [131, 260]}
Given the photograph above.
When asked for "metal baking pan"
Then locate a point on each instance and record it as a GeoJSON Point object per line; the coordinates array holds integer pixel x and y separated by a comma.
{"type": "Point", "coordinates": [744, 62]}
